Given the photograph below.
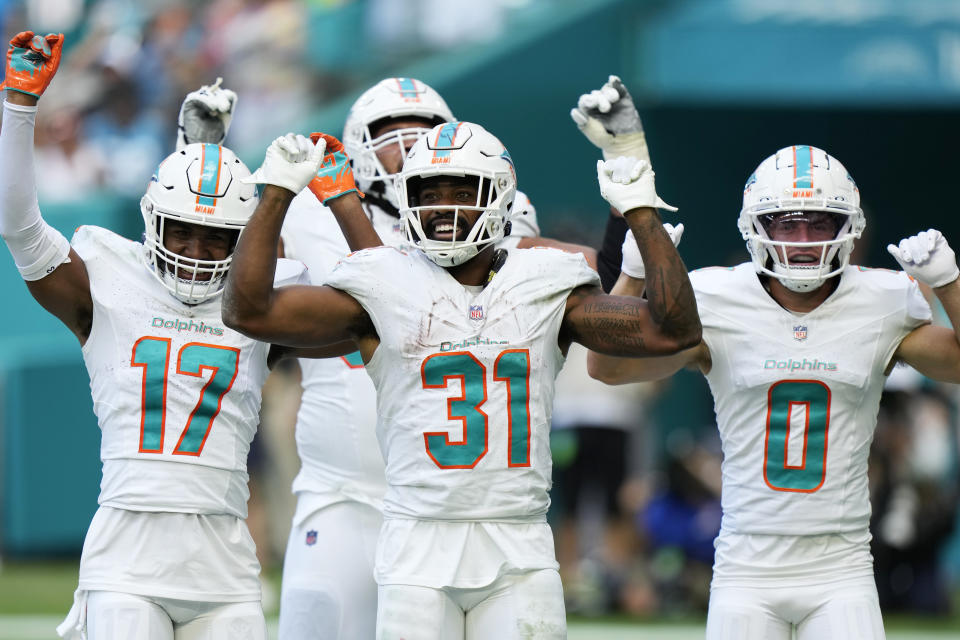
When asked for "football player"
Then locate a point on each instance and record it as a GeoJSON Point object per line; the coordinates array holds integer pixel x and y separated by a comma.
{"type": "Point", "coordinates": [328, 588]}
{"type": "Point", "coordinates": [176, 393]}
{"type": "Point", "coordinates": [796, 346]}
{"type": "Point", "coordinates": [463, 341]}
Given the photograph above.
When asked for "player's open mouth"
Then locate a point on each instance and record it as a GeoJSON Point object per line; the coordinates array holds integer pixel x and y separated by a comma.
{"type": "Point", "coordinates": [185, 274]}
{"type": "Point", "coordinates": [804, 259]}
{"type": "Point", "coordinates": [442, 228]}
{"type": "Point", "coordinates": [189, 274]}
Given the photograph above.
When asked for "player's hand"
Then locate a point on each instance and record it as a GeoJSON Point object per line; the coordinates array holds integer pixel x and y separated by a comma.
{"type": "Point", "coordinates": [32, 61]}
{"type": "Point", "coordinates": [205, 115]}
{"type": "Point", "coordinates": [632, 264]}
{"type": "Point", "coordinates": [607, 117]}
{"type": "Point", "coordinates": [335, 176]}
{"type": "Point", "coordinates": [627, 183]}
{"type": "Point", "coordinates": [927, 257]}
{"type": "Point", "coordinates": [291, 162]}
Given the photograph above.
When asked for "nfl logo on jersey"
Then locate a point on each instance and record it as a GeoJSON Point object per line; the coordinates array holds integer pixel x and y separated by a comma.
{"type": "Point", "coordinates": [311, 538]}
{"type": "Point", "coordinates": [800, 332]}
{"type": "Point", "coordinates": [476, 312]}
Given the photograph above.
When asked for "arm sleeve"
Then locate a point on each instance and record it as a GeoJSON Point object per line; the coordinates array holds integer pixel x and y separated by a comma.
{"type": "Point", "coordinates": [37, 248]}
{"type": "Point", "coordinates": [611, 252]}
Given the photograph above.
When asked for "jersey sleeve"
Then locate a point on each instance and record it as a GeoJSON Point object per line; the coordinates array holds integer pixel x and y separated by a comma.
{"type": "Point", "coordinates": [548, 271]}
{"type": "Point", "coordinates": [896, 297]}
{"type": "Point", "coordinates": [95, 244]}
{"type": "Point", "coordinates": [290, 272]}
{"type": "Point", "coordinates": [580, 272]}
{"type": "Point", "coordinates": [374, 277]}
{"type": "Point", "coordinates": [917, 311]}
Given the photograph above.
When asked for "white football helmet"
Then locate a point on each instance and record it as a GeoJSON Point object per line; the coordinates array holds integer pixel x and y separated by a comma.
{"type": "Point", "coordinates": [459, 149]}
{"type": "Point", "coordinates": [200, 184]}
{"type": "Point", "coordinates": [389, 98]}
{"type": "Point", "coordinates": [795, 179]}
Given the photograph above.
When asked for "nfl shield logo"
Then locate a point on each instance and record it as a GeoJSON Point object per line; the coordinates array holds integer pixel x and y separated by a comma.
{"type": "Point", "coordinates": [476, 312]}
{"type": "Point", "coordinates": [311, 538]}
{"type": "Point", "coordinates": [800, 332]}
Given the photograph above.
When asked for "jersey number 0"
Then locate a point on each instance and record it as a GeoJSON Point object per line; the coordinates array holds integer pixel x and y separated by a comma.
{"type": "Point", "coordinates": [153, 355]}
{"type": "Point", "coordinates": [793, 404]}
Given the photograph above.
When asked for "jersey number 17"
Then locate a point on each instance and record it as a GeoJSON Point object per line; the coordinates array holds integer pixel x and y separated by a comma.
{"type": "Point", "coordinates": [153, 355]}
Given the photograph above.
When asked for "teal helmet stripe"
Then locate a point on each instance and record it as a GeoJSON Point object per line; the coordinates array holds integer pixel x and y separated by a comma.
{"type": "Point", "coordinates": [802, 167]}
{"type": "Point", "coordinates": [407, 88]}
{"type": "Point", "coordinates": [445, 140]}
{"type": "Point", "coordinates": [210, 177]}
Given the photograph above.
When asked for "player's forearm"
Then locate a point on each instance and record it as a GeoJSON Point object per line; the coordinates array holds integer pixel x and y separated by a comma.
{"type": "Point", "coordinates": [36, 247]}
{"type": "Point", "coordinates": [949, 296]}
{"type": "Point", "coordinates": [628, 286]}
{"type": "Point", "coordinates": [23, 99]}
{"type": "Point", "coordinates": [614, 370]}
{"type": "Point", "coordinates": [18, 184]}
{"type": "Point", "coordinates": [248, 293]}
{"type": "Point", "coordinates": [673, 305]}
{"type": "Point", "coordinates": [354, 223]}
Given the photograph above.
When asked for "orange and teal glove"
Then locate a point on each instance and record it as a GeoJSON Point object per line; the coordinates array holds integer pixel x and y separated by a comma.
{"type": "Point", "coordinates": [335, 176]}
{"type": "Point", "coordinates": [32, 61]}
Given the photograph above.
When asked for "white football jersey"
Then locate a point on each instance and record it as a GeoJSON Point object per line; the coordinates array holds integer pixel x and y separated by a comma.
{"type": "Point", "coordinates": [176, 392]}
{"type": "Point", "coordinates": [797, 395]}
{"type": "Point", "coordinates": [465, 380]}
{"type": "Point", "coordinates": [335, 433]}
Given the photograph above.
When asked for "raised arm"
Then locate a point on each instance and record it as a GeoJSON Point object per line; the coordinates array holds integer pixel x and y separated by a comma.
{"type": "Point", "coordinates": [55, 274]}
{"type": "Point", "coordinates": [626, 325]}
{"type": "Point", "coordinates": [300, 316]}
{"type": "Point", "coordinates": [333, 181]}
{"type": "Point", "coordinates": [932, 350]}
{"type": "Point", "coordinates": [205, 115]}
{"type": "Point", "coordinates": [669, 324]}
{"type": "Point", "coordinates": [631, 282]}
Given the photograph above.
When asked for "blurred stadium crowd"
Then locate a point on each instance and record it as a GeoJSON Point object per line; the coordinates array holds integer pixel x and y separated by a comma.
{"type": "Point", "coordinates": [110, 118]}
{"type": "Point", "coordinates": [636, 497]}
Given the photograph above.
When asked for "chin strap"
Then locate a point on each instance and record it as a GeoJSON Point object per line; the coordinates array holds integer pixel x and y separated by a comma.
{"type": "Point", "coordinates": [375, 195]}
{"type": "Point", "coordinates": [499, 258]}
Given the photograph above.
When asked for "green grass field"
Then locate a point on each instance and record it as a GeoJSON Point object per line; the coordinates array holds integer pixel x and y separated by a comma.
{"type": "Point", "coordinates": [35, 596]}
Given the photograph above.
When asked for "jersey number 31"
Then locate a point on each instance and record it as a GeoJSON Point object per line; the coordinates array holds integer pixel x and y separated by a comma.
{"type": "Point", "coordinates": [512, 367]}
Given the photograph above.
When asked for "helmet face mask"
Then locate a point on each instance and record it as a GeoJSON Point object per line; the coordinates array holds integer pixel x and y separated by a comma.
{"type": "Point", "coordinates": [197, 186]}
{"type": "Point", "coordinates": [457, 150]}
{"type": "Point", "coordinates": [790, 186]}
{"type": "Point", "coordinates": [392, 98]}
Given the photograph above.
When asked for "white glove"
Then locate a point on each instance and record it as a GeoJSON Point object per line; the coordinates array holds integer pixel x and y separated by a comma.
{"type": "Point", "coordinates": [927, 257]}
{"type": "Point", "coordinates": [627, 183]}
{"type": "Point", "coordinates": [632, 264]}
{"type": "Point", "coordinates": [205, 115]}
{"type": "Point", "coordinates": [292, 161]}
{"type": "Point", "coordinates": [607, 117]}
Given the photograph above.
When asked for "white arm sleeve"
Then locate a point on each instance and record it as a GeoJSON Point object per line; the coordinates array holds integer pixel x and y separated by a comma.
{"type": "Point", "coordinates": [37, 248]}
